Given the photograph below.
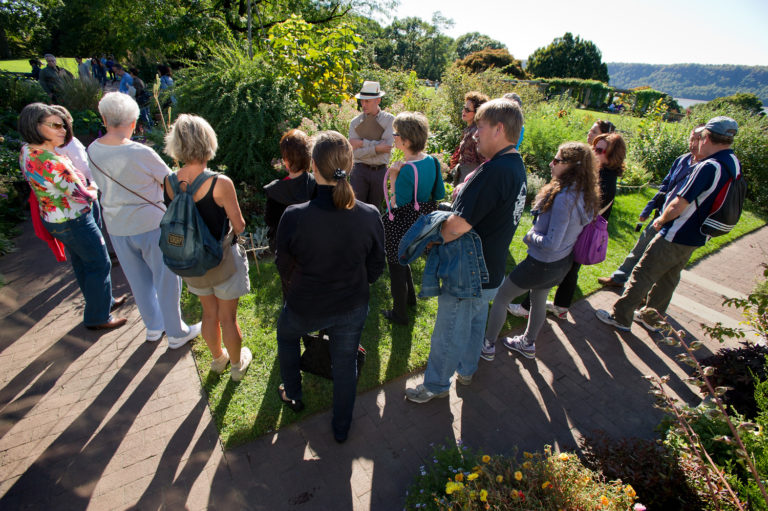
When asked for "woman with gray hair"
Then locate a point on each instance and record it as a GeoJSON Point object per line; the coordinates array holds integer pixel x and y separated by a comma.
{"type": "Point", "coordinates": [193, 141]}
{"type": "Point", "coordinates": [130, 176]}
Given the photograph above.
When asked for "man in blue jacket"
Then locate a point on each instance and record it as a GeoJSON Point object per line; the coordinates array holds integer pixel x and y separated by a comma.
{"type": "Point", "coordinates": [491, 203]}
{"type": "Point", "coordinates": [678, 230]}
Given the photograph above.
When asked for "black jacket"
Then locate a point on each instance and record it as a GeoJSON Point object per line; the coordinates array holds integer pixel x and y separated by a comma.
{"type": "Point", "coordinates": [282, 193]}
{"type": "Point", "coordinates": [327, 257]}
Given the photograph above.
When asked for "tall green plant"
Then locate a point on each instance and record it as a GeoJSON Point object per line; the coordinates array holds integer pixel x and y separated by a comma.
{"type": "Point", "coordinates": [249, 104]}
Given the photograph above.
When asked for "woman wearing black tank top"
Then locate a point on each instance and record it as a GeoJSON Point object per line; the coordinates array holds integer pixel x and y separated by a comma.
{"type": "Point", "coordinates": [193, 141]}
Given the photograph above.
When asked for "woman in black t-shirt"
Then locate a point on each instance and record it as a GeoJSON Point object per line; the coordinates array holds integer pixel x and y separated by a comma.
{"type": "Point", "coordinates": [193, 141]}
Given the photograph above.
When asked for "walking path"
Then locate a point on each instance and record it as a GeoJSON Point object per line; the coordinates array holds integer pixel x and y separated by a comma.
{"type": "Point", "coordinates": [108, 421]}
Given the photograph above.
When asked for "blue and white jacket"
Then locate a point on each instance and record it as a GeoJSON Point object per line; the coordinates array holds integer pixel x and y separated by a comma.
{"type": "Point", "coordinates": [457, 268]}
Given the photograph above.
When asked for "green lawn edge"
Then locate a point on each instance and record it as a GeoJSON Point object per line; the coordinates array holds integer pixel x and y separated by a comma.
{"type": "Point", "coordinates": [251, 408]}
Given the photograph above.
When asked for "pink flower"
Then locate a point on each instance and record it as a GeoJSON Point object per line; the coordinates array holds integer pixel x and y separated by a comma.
{"type": "Point", "coordinates": [638, 507]}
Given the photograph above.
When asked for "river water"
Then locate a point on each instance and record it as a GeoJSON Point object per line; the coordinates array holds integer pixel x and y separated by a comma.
{"type": "Point", "coordinates": [685, 103]}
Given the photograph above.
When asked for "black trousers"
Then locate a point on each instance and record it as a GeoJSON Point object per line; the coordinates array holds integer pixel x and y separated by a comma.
{"type": "Point", "coordinates": [565, 290]}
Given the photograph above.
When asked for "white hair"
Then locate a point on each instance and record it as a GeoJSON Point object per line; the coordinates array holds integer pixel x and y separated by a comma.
{"type": "Point", "coordinates": [118, 109]}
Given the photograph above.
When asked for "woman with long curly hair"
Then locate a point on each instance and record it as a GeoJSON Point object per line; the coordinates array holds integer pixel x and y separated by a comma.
{"type": "Point", "coordinates": [561, 210]}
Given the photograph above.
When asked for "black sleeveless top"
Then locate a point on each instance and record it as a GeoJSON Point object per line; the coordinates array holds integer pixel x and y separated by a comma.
{"type": "Point", "coordinates": [214, 216]}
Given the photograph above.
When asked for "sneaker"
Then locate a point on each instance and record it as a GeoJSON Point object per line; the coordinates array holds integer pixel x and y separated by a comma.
{"type": "Point", "coordinates": [464, 380]}
{"type": "Point", "coordinates": [649, 318]}
{"type": "Point", "coordinates": [517, 310]}
{"type": "Point", "coordinates": [607, 318]}
{"type": "Point", "coordinates": [154, 335]}
{"type": "Point", "coordinates": [518, 344]}
{"type": "Point", "coordinates": [219, 364]}
{"type": "Point", "coordinates": [421, 394]}
{"type": "Point", "coordinates": [557, 311]}
{"type": "Point", "coordinates": [489, 350]}
{"type": "Point", "coordinates": [238, 371]}
{"type": "Point", "coordinates": [178, 342]}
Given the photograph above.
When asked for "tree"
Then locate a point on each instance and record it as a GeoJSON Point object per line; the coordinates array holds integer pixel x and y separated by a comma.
{"type": "Point", "coordinates": [501, 59]}
{"type": "Point", "coordinates": [475, 41]}
{"type": "Point", "coordinates": [568, 57]}
{"type": "Point", "coordinates": [21, 26]}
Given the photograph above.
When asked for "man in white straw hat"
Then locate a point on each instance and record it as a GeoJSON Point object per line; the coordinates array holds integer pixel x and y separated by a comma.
{"type": "Point", "coordinates": [372, 136]}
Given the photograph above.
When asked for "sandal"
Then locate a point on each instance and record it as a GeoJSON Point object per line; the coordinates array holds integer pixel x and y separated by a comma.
{"type": "Point", "coordinates": [296, 405]}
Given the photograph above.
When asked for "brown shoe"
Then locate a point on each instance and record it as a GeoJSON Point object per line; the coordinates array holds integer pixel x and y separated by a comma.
{"type": "Point", "coordinates": [113, 323]}
{"type": "Point", "coordinates": [609, 282]}
{"type": "Point", "coordinates": [118, 302]}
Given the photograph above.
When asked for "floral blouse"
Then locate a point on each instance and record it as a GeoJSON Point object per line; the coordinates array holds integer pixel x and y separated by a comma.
{"type": "Point", "coordinates": [59, 189]}
{"type": "Point", "coordinates": [467, 151]}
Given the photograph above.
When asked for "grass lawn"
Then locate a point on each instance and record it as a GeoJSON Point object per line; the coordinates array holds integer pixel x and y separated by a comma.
{"type": "Point", "coordinates": [22, 65]}
{"type": "Point", "coordinates": [251, 408]}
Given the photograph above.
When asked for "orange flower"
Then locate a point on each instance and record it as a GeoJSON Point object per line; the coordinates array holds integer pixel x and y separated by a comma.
{"type": "Point", "coordinates": [546, 485]}
{"type": "Point", "coordinates": [604, 501]}
{"type": "Point", "coordinates": [563, 456]}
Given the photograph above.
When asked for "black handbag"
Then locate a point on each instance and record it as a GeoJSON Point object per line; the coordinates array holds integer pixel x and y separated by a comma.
{"type": "Point", "coordinates": [316, 358]}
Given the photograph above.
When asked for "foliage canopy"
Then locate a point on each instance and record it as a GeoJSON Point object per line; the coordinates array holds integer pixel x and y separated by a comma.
{"type": "Point", "coordinates": [568, 57]}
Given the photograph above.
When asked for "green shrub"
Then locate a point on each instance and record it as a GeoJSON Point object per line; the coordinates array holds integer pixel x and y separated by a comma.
{"type": "Point", "coordinates": [247, 103]}
{"type": "Point", "coordinates": [18, 92]}
{"type": "Point", "coordinates": [80, 94]}
{"type": "Point", "coordinates": [739, 369]}
{"type": "Point", "coordinates": [590, 93]}
{"type": "Point", "coordinates": [460, 479]}
{"type": "Point", "coordinates": [655, 144]}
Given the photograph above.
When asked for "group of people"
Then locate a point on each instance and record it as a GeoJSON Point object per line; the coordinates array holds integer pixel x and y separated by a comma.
{"type": "Point", "coordinates": [344, 211]}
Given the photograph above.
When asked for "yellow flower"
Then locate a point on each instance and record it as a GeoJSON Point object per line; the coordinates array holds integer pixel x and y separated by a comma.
{"type": "Point", "coordinates": [518, 475]}
{"type": "Point", "coordinates": [476, 468]}
{"type": "Point", "coordinates": [604, 501]}
{"type": "Point", "coordinates": [483, 496]}
{"type": "Point", "coordinates": [486, 458]}
{"type": "Point", "coordinates": [563, 456]}
{"type": "Point", "coordinates": [451, 487]}
{"type": "Point", "coordinates": [528, 455]}
{"type": "Point", "coordinates": [459, 477]}
{"type": "Point", "coordinates": [473, 494]}
{"type": "Point", "coordinates": [527, 465]}
{"type": "Point", "coordinates": [472, 477]}
{"type": "Point", "coordinates": [546, 485]}
{"type": "Point", "coordinates": [499, 479]}
{"type": "Point", "coordinates": [631, 493]}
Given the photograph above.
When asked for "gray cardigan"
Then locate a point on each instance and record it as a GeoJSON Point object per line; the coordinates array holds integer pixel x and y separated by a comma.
{"type": "Point", "coordinates": [554, 232]}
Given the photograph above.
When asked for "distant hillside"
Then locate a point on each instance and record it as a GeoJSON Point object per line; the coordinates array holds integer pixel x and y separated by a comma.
{"type": "Point", "coordinates": [693, 81]}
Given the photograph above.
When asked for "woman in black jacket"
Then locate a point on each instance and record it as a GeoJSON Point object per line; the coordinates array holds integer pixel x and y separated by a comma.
{"type": "Point", "coordinates": [329, 250]}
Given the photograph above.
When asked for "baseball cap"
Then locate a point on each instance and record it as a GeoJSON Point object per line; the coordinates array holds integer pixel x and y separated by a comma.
{"type": "Point", "coordinates": [721, 125]}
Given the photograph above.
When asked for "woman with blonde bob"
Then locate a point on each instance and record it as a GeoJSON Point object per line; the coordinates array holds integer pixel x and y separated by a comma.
{"type": "Point", "coordinates": [329, 250]}
{"type": "Point", "coordinates": [130, 176]}
{"type": "Point", "coordinates": [560, 211]}
{"type": "Point", "coordinates": [193, 141]}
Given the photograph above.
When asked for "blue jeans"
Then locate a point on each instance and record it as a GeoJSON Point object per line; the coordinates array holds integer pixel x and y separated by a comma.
{"type": "Point", "coordinates": [344, 330]}
{"type": "Point", "coordinates": [87, 252]}
{"type": "Point", "coordinates": [457, 338]}
{"type": "Point", "coordinates": [625, 270]}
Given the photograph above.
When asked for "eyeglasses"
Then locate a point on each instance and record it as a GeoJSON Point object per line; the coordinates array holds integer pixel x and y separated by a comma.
{"type": "Point", "coordinates": [467, 110]}
{"type": "Point", "coordinates": [54, 125]}
{"type": "Point", "coordinates": [558, 160]}
{"type": "Point", "coordinates": [600, 150]}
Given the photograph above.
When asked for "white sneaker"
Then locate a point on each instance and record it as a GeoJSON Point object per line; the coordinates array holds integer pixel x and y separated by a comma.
{"type": "Point", "coordinates": [238, 371]}
{"type": "Point", "coordinates": [219, 364]}
{"type": "Point", "coordinates": [178, 342]}
{"type": "Point", "coordinates": [154, 335]}
{"type": "Point", "coordinates": [555, 310]}
{"type": "Point", "coordinates": [517, 310]}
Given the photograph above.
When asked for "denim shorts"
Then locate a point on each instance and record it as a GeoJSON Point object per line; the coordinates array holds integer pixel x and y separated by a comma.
{"type": "Point", "coordinates": [534, 274]}
{"type": "Point", "coordinates": [235, 286]}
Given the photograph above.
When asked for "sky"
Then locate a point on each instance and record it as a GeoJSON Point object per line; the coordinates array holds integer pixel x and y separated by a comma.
{"type": "Point", "coordinates": [649, 31]}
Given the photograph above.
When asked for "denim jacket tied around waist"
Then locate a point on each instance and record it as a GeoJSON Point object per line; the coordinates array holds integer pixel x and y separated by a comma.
{"type": "Point", "coordinates": [458, 265]}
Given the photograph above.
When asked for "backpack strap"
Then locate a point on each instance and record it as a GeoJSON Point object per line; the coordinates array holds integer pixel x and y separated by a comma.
{"type": "Point", "coordinates": [437, 174]}
{"type": "Point", "coordinates": [173, 180]}
{"type": "Point", "coordinates": [199, 180]}
{"type": "Point", "coordinates": [415, 185]}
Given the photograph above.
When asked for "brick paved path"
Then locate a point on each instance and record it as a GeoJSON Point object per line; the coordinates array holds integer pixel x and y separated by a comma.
{"type": "Point", "coordinates": [90, 421]}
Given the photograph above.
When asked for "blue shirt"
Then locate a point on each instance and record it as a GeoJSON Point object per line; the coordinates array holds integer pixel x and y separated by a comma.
{"type": "Point", "coordinates": [674, 179]}
{"type": "Point", "coordinates": [431, 186]}
{"type": "Point", "coordinates": [520, 140]}
{"type": "Point", "coordinates": [125, 81]}
{"type": "Point", "coordinates": [700, 189]}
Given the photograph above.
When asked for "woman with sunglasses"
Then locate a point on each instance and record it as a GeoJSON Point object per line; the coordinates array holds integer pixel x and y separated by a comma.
{"type": "Point", "coordinates": [610, 152]}
{"type": "Point", "coordinates": [65, 203]}
{"type": "Point", "coordinates": [465, 158]}
{"type": "Point", "coordinates": [561, 209]}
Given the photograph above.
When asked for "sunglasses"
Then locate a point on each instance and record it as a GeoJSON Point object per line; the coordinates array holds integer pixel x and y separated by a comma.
{"type": "Point", "coordinates": [54, 125]}
{"type": "Point", "coordinates": [599, 150]}
{"type": "Point", "coordinates": [395, 134]}
{"type": "Point", "coordinates": [467, 110]}
{"type": "Point", "coordinates": [558, 160]}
